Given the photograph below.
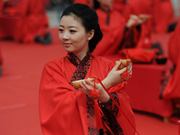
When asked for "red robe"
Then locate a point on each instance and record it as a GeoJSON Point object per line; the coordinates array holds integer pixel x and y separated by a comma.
{"type": "Point", "coordinates": [173, 87]}
{"type": "Point", "coordinates": [23, 20]}
{"type": "Point", "coordinates": [112, 33]}
{"type": "Point", "coordinates": [139, 7]}
{"type": "Point", "coordinates": [63, 109]}
{"type": "Point", "coordinates": [163, 14]}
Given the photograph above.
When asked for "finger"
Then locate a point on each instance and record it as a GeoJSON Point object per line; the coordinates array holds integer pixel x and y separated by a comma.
{"type": "Point", "coordinates": [117, 64]}
{"type": "Point", "coordinates": [83, 85]}
{"type": "Point", "coordinates": [124, 61]}
{"type": "Point", "coordinates": [130, 67]}
{"type": "Point", "coordinates": [128, 60]}
{"type": "Point", "coordinates": [122, 70]}
{"type": "Point", "coordinates": [90, 80]}
{"type": "Point", "coordinates": [87, 86]}
{"type": "Point", "coordinates": [84, 88]}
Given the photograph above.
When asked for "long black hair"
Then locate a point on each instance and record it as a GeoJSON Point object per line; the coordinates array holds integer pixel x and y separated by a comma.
{"type": "Point", "coordinates": [89, 20]}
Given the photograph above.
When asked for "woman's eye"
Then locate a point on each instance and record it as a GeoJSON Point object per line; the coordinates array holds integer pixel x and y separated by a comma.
{"type": "Point", "coordinates": [72, 31]}
{"type": "Point", "coordinates": [61, 30]}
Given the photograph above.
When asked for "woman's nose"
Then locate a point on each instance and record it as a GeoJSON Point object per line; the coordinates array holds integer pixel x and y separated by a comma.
{"type": "Point", "coordinates": [65, 36]}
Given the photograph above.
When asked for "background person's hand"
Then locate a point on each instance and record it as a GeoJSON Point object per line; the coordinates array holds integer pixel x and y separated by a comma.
{"type": "Point", "coordinates": [144, 17]}
{"type": "Point", "coordinates": [132, 21]}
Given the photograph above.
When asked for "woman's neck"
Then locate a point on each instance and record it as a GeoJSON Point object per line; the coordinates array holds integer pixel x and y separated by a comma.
{"type": "Point", "coordinates": [81, 55]}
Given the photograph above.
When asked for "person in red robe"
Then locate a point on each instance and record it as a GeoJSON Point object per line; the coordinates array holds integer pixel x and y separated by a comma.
{"type": "Point", "coordinates": [25, 21]}
{"type": "Point", "coordinates": [172, 90]}
{"type": "Point", "coordinates": [144, 10]}
{"type": "Point", "coordinates": [161, 11]}
{"type": "Point", "coordinates": [97, 103]}
{"type": "Point", "coordinates": [136, 42]}
{"type": "Point", "coordinates": [163, 15]}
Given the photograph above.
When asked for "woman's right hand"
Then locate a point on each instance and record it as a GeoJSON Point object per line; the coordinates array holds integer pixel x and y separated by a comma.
{"type": "Point", "coordinates": [115, 75]}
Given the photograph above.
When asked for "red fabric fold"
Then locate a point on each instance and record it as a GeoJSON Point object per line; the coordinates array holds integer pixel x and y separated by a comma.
{"type": "Point", "coordinates": [139, 54]}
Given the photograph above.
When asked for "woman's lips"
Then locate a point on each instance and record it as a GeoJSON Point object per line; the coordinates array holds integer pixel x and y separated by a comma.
{"type": "Point", "coordinates": [67, 45]}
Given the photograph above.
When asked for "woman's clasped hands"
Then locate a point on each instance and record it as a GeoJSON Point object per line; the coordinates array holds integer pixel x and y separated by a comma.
{"type": "Point", "coordinates": [121, 71]}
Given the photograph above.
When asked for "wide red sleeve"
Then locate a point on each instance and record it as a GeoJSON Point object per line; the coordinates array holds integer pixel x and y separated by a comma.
{"type": "Point", "coordinates": [125, 115]}
{"type": "Point", "coordinates": [59, 110]}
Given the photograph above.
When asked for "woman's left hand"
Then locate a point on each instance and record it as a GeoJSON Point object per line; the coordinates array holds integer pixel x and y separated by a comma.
{"type": "Point", "coordinates": [95, 90]}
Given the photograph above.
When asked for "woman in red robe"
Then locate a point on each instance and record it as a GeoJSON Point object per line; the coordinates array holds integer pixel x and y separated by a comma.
{"type": "Point", "coordinates": [172, 91]}
{"type": "Point", "coordinates": [24, 21]}
{"type": "Point", "coordinates": [98, 105]}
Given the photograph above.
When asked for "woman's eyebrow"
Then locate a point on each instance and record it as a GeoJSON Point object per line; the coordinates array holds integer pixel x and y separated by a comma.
{"type": "Point", "coordinates": [61, 25]}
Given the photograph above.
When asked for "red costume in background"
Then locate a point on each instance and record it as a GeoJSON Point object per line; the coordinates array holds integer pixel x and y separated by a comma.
{"type": "Point", "coordinates": [23, 19]}
{"type": "Point", "coordinates": [137, 40]}
{"type": "Point", "coordinates": [163, 14]}
{"type": "Point", "coordinates": [160, 10]}
{"type": "Point", "coordinates": [141, 6]}
{"type": "Point", "coordinates": [145, 7]}
{"type": "Point", "coordinates": [172, 90]}
{"type": "Point", "coordinates": [65, 110]}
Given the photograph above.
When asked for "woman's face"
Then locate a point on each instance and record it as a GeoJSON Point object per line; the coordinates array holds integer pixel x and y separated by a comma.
{"type": "Point", "coordinates": [73, 35]}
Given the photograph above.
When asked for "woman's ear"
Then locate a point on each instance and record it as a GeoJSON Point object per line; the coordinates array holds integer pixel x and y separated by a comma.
{"type": "Point", "coordinates": [90, 34]}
